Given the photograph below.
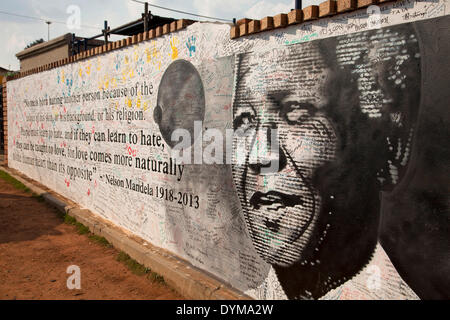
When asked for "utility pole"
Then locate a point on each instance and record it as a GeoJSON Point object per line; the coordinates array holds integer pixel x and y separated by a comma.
{"type": "Point", "coordinates": [146, 16]}
{"type": "Point", "coordinates": [298, 4]}
{"type": "Point", "coordinates": [48, 29]}
{"type": "Point", "coordinates": [106, 32]}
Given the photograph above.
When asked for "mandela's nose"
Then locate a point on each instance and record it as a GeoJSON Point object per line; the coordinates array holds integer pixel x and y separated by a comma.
{"type": "Point", "coordinates": [267, 157]}
{"type": "Point", "coordinates": [272, 225]}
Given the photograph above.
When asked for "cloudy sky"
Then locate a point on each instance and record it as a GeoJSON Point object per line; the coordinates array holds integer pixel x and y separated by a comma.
{"type": "Point", "coordinates": [17, 31]}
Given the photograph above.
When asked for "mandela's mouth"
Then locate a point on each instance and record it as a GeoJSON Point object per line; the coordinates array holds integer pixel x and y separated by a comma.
{"type": "Point", "coordinates": [274, 200]}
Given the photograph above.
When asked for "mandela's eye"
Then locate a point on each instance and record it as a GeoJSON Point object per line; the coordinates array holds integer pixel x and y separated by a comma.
{"type": "Point", "coordinates": [244, 121]}
{"type": "Point", "coordinates": [296, 112]}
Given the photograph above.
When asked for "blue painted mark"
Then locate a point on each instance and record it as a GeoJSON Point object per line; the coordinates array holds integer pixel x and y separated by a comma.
{"type": "Point", "coordinates": [190, 44]}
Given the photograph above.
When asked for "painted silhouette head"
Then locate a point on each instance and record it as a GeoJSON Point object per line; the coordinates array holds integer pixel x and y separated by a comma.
{"type": "Point", "coordinates": [181, 100]}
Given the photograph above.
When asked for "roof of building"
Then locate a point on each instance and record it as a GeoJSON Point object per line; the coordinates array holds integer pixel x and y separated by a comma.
{"type": "Point", "coordinates": [45, 46]}
{"type": "Point", "coordinates": [137, 26]}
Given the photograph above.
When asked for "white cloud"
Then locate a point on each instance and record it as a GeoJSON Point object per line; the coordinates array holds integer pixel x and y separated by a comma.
{"type": "Point", "coordinates": [227, 9]}
{"type": "Point", "coordinates": [134, 9]}
{"type": "Point", "coordinates": [263, 9]}
{"type": "Point", "coordinates": [16, 42]}
{"type": "Point", "coordinates": [16, 36]}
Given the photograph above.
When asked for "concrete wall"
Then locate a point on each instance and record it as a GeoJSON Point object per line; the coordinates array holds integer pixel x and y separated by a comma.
{"type": "Point", "coordinates": [349, 201]}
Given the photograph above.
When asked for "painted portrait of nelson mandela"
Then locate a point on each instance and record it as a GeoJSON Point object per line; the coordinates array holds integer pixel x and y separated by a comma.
{"type": "Point", "coordinates": [353, 166]}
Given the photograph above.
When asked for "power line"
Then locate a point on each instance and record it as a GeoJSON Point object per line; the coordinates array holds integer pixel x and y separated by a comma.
{"type": "Point", "coordinates": [42, 19]}
{"type": "Point", "coordinates": [184, 12]}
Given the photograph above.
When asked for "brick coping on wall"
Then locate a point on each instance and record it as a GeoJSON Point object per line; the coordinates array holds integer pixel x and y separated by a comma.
{"type": "Point", "coordinates": [242, 28]}
{"type": "Point", "coordinates": [328, 8]}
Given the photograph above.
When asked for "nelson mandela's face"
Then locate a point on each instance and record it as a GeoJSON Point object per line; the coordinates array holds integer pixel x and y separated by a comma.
{"type": "Point", "coordinates": [285, 136]}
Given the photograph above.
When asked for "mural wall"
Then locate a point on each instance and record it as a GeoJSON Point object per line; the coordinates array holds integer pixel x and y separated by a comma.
{"type": "Point", "coordinates": [306, 163]}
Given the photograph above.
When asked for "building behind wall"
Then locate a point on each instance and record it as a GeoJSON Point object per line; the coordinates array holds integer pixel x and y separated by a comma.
{"type": "Point", "coordinates": [67, 45]}
{"type": "Point", "coordinates": [50, 51]}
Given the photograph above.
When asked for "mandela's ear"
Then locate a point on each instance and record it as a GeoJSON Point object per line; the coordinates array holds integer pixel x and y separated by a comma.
{"type": "Point", "coordinates": [157, 114]}
{"type": "Point", "coordinates": [327, 49]}
{"type": "Point", "coordinates": [279, 95]}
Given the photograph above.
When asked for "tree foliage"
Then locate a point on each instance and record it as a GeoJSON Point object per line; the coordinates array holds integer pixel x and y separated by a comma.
{"type": "Point", "coordinates": [35, 42]}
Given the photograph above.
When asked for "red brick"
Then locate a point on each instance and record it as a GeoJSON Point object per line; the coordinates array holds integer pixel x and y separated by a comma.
{"type": "Point", "coordinates": [310, 13]}
{"type": "Point", "coordinates": [173, 26]}
{"type": "Point", "coordinates": [280, 20]}
{"type": "Point", "coordinates": [366, 3]}
{"type": "Point", "coordinates": [159, 31]}
{"type": "Point", "coordinates": [181, 24]}
{"type": "Point", "coordinates": [295, 16]}
{"type": "Point", "coordinates": [152, 34]}
{"type": "Point", "coordinates": [266, 23]}
{"type": "Point", "coordinates": [243, 21]}
{"type": "Point", "coordinates": [234, 32]}
{"type": "Point", "coordinates": [327, 8]}
{"type": "Point", "coordinates": [253, 26]}
{"type": "Point", "coordinates": [346, 5]}
{"type": "Point", "coordinates": [243, 29]}
{"type": "Point", "coordinates": [166, 28]}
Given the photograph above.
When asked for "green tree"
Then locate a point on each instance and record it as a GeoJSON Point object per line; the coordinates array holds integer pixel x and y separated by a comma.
{"type": "Point", "coordinates": [35, 42]}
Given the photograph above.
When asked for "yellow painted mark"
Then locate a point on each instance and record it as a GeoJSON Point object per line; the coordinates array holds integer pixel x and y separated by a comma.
{"type": "Point", "coordinates": [173, 44]}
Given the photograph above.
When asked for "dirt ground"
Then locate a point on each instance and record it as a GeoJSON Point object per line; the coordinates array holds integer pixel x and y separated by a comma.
{"type": "Point", "coordinates": [36, 247]}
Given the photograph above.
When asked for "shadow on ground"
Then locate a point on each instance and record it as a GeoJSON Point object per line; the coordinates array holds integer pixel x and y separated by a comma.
{"type": "Point", "coordinates": [23, 218]}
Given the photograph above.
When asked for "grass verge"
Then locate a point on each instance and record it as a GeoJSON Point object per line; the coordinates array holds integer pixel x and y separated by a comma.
{"type": "Point", "coordinates": [19, 185]}
{"type": "Point", "coordinates": [134, 266]}
{"type": "Point", "coordinates": [15, 183]}
{"type": "Point", "coordinates": [139, 269]}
